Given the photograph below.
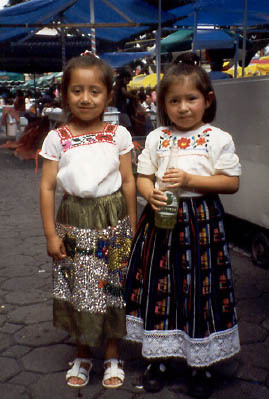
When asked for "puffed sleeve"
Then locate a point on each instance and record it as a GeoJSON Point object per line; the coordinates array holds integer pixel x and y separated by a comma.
{"type": "Point", "coordinates": [124, 140]}
{"type": "Point", "coordinates": [51, 148]}
{"type": "Point", "coordinates": [224, 157]}
{"type": "Point", "coordinates": [147, 160]}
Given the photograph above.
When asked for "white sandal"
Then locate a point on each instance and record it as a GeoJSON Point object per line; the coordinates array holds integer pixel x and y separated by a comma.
{"type": "Point", "coordinates": [79, 372]}
{"type": "Point", "coordinates": [113, 371]}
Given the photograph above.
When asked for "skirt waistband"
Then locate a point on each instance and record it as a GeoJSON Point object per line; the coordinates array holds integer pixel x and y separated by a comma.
{"type": "Point", "coordinates": [92, 213]}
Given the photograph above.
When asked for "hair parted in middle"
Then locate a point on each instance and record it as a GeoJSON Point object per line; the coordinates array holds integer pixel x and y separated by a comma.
{"type": "Point", "coordinates": [87, 60]}
{"type": "Point", "coordinates": [202, 83]}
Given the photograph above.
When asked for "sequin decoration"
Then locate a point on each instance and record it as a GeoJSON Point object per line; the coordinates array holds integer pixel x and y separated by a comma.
{"type": "Point", "coordinates": [92, 278]}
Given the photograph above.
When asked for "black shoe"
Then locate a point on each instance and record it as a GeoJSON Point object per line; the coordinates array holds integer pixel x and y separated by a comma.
{"type": "Point", "coordinates": [201, 383]}
{"type": "Point", "coordinates": [154, 377]}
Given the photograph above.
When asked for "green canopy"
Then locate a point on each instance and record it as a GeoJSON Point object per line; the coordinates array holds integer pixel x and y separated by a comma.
{"type": "Point", "coordinates": [46, 80]}
{"type": "Point", "coordinates": [11, 77]}
{"type": "Point", "coordinates": [28, 84]}
{"type": "Point", "coordinates": [183, 39]}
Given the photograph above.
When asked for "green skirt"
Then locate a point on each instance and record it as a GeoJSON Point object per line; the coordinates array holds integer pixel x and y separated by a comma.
{"type": "Point", "coordinates": [88, 283]}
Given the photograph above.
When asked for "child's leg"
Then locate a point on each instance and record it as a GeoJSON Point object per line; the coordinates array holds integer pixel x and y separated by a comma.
{"type": "Point", "coordinates": [112, 352]}
{"type": "Point", "coordinates": [83, 351]}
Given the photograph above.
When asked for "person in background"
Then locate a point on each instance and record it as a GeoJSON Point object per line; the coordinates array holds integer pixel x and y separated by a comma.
{"type": "Point", "coordinates": [216, 70]}
{"type": "Point", "coordinates": [151, 110]}
{"type": "Point", "coordinates": [148, 104]}
{"type": "Point", "coordinates": [90, 161]}
{"type": "Point", "coordinates": [9, 114]}
{"type": "Point", "coordinates": [138, 117]}
{"type": "Point", "coordinates": [46, 99]}
{"type": "Point", "coordinates": [123, 97]}
{"type": "Point", "coordinates": [19, 103]}
{"type": "Point", "coordinates": [154, 96]}
{"type": "Point", "coordinates": [141, 94]}
{"type": "Point", "coordinates": [179, 291]}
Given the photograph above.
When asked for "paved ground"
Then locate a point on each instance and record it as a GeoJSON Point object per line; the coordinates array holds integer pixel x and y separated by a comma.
{"type": "Point", "coordinates": [34, 356]}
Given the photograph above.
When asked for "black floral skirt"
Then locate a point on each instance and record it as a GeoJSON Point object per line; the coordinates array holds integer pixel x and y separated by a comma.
{"type": "Point", "coordinates": [179, 289]}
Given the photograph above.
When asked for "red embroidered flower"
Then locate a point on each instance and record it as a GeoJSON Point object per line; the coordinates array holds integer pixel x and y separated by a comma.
{"type": "Point", "coordinates": [207, 130]}
{"type": "Point", "coordinates": [167, 131]}
{"type": "Point", "coordinates": [183, 143]}
{"type": "Point", "coordinates": [165, 143]}
{"type": "Point", "coordinates": [200, 141]}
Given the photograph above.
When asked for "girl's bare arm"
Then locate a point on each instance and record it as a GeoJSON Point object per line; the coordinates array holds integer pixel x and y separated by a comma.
{"type": "Point", "coordinates": [128, 187]}
{"type": "Point", "coordinates": [218, 183]}
{"type": "Point", "coordinates": [145, 185]}
{"type": "Point", "coordinates": [55, 245]}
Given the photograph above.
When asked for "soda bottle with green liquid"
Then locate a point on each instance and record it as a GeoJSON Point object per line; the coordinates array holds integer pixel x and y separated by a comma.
{"type": "Point", "coordinates": [166, 218]}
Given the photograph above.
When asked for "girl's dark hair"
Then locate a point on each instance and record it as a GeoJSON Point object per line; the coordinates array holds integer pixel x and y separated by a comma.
{"type": "Point", "coordinates": [202, 83]}
{"type": "Point", "coordinates": [188, 58]}
{"type": "Point", "coordinates": [85, 61]}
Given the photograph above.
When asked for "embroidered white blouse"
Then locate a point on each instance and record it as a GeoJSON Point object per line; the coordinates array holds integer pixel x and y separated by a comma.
{"type": "Point", "coordinates": [205, 151]}
{"type": "Point", "coordinates": [89, 163]}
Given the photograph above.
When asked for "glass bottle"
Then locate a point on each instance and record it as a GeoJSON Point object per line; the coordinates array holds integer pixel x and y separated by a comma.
{"type": "Point", "coordinates": [166, 218]}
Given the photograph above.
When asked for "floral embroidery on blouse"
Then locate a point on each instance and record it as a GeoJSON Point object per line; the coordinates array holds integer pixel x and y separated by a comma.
{"type": "Point", "coordinates": [168, 140]}
{"type": "Point", "coordinates": [68, 141]}
{"type": "Point", "coordinates": [183, 143]}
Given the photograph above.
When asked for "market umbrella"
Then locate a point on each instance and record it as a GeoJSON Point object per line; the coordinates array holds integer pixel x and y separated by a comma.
{"type": "Point", "coordinates": [143, 81]}
{"type": "Point", "coordinates": [11, 77]}
{"type": "Point", "coordinates": [120, 59]}
{"type": "Point", "coordinates": [46, 80]}
{"type": "Point", "coordinates": [261, 64]}
{"type": "Point", "coordinates": [29, 84]}
{"type": "Point", "coordinates": [182, 40]}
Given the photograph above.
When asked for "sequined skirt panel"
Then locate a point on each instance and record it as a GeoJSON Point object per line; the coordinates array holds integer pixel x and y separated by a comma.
{"type": "Point", "coordinates": [88, 283]}
{"type": "Point", "coordinates": [179, 290]}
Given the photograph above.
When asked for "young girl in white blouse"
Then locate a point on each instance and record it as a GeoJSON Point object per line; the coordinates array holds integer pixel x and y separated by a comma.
{"type": "Point", "coordinates": [179, 291]}
{"type": "Point", "coordinates": [90, 162]}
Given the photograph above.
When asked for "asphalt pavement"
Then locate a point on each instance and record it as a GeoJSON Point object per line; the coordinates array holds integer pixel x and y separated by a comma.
{"type": "Point", "coordinates": [34, 355]}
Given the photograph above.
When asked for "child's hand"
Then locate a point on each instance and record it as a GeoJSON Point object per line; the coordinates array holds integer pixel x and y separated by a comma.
{"type": "Point", "coordinates": [175, 178]}
{"type": "Point", "coordinates": [55, 247]}
{"type": "Point", "coordinates": [157, 199]}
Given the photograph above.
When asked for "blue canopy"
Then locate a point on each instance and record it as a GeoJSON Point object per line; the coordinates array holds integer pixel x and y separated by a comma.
{"type": "Point", "coordinates": [223, 12]}
{"type": "Point", "coordinates": [15, 21]}
{"type": "Point", "coordinates": [117, 60]}
{"type": "Point", "coordinates": [78, 12]}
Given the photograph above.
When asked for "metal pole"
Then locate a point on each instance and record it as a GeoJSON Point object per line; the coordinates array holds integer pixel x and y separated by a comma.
{"type": "Point", "coordinates": [92, 20]}
{"type": "Point", "coordinates": [63, 48]}
{"type": "Point", "coordinates": [244, 37]}
{"type": "Point", "coordinates": [194, 40]}
{"type": "Point", "coordinates": [35, 95]}
{"type": "Point", "coordinates": [158, 48]}
{"type": "Point", "coordinates": [158, 45]}
{"type": "Point", "coordinates": [236, 54]}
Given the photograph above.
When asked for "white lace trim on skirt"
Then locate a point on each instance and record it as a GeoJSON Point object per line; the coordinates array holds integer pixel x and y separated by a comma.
{"type": "Point", "coordinates": [200, 352]}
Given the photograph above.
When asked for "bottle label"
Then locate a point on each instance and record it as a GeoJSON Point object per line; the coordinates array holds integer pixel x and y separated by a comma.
{"type": "Point", "coordinates": [171, 206]}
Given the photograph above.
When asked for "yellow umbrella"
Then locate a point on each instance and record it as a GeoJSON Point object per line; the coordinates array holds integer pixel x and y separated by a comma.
{"type": "Point", "coordinates": [263, 68]}
{"type": "Point", "coordinates": [262, 65]}
{"type": "Point", "coordinates": [250, 70]}
{"type": "Point", "coordinates": [143, 81]}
